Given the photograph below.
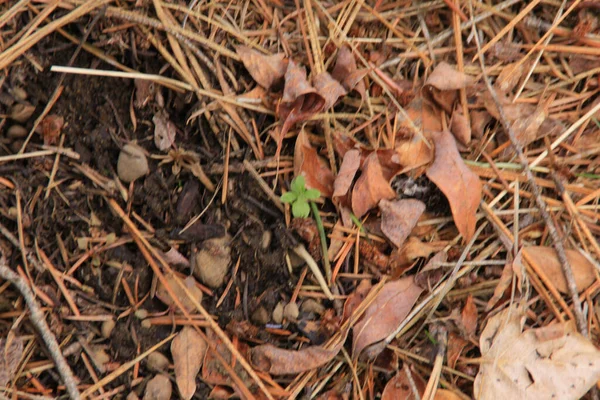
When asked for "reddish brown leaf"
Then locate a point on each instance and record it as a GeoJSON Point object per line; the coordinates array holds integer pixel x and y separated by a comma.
{"type": "Point", "coordinates": [469, 316]}
{"type": "Point", "coordinates": [446, 77]}
{"type": "Point", "coordinates": [460, 127]}
{"type": "Point", "coordinates": [188, 350]}
{"type": "Point", "coordinates": [500, 289]}
{"type": "Point", "coordinates": [265, 70]}
{"type": "Point", "coordinates": [386, 312]}
{"type": "Point", "coordinates": [345, 177]}
{"type": "Point", "coordinates": [328, 88]}
{"type": "Point", "coordinates": [51, 128]}
{"type": "Point", "coordinates": [479, 120]}
{"type": "Point", "coordinates": [370, 187]}
{"type": "Point", "coordinates": [347, 74]}
{"type": "Point", "coordinates": [413, 153]}
{"type": "Point", "coordinates": [278, 361]}
{"type": "Point", "coordinates": [423, 115]}
{"type": "Point", "coordinates": [546, 260]}
{"type": "Point", "coordinates": [456, 345]}
{"type": "Point", "coordinates": [459, 184]}
{"type": "Point", "coordinates": [444, 394]}
{"type": "Point", "coordinates": [399, 387]}
{"type": "Point", "coordinates": [399, 217]}
{"type": "Point", "coordinates": [313, 167]}
{"type": "Point", "coordinates": [355, 298]}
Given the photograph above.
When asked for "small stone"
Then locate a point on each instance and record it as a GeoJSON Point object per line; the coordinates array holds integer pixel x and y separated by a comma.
{"type": "Point", "coordinates": [290, 311]}
{"type": "Point", "coordinates": [16, 132]}
{"type": "Point", "coordinates": [260, 316]}
{"type": "Point", "coordinates": [213, 260]}
{"type": "Point", "coordinates": [158, 388]}
{"type": "Point", "coordinates": [187, 303]}
{"type": "Point", "coordinates": [157, 361]}
{"type": "Point", "coordinates": [19, 93]}
{"type": "Point", "coordinates": [265, 241]}
{"type": "Point", "coordinates": [21, 112]}
{"type": "Point", "coordinates": [141, 313]}
{"type": "Point", "coordinates": [107, 328]}
{"type": "Point", "coordinates": [278, 313]}
{"type": "Point", "coordinates": [100, 355]}
{"type": "Point", "coordinates": [146, 324]}
{"type": "Point", "coordinates": [132, 163]}
{"type": "Point", "coordinates": [312, 306]}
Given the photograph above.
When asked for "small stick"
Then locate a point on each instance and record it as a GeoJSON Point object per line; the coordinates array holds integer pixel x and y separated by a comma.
{"type": "Point", "coordinates": [305, 255]}
{"type": "Point", "coordinates": [38, 319]}
{"type": "Point", "coordinates": [323, 238]}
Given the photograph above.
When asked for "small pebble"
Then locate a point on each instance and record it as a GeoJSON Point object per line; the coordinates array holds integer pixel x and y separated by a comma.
{"type": "Point", "coordinates": [213, 260]}
{"type": "Point", "coordinates": [260, 316]}
{"type": "Point", "coordinates": [19, 93]}
{"type": "Point", "coordinates": [312, 306]}
{"type": "Point", "coordinates": [16, 132]}
{"type": "Point", "coordinates": [146, 324]}
{"type": "Point", "coordinates": [265, 241]}
{"type": "Point", "coordinates": [100, 355]}
{"type": "Point", "coordinates": [278, 313]}
{"type": "Point", "coordinates": [141, 313]}
{"type": "Point", "coordinates": [21, 112]}
{"type": "Point", "coordinates": [290, 311]}
{"type": "Point", "coordinates": [107, 328]}
{"type": "Point", "coordinates": [157, 361]}
{"type": "Point", "coordinates": [132, 163]}
{"type": "Point", "coordinates": [158, 388]}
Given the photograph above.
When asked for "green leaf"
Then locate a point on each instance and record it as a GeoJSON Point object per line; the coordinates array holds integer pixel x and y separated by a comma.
{"type": "Point", "coordinates": [300, 209]}
{"type": "Point", "coordinates": [288, 197]}
{"type": "Point", "coordinates": [298, 184]}
{"type": "Point", "coordinates": [312, 194]}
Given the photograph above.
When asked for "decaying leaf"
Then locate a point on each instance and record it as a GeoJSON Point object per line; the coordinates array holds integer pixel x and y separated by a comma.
{"type": "Point", "coordinates": [278, 361]}
{"type": "Point", "coordinates": [460, 185]}
{"type": "Point", "coordinates": [460, 127]}
{"type": "Point", "coordinates": [546, 260]}
{"type": "Point", "coordinates": [386, 312]}
{"type": "Point", "coordinates": [51, 127]}
{"type": "Point", "coordinates": [399, 387]}
{"type": "Point", "coordinates": [399, 217]}
{"type": "Point", "coordinates": [432, 272]}
{"type": "Point", "coordinates": [11, 351]}
{"type": "Point", "coordinates": [469, 316]}
{"type": "Point", "coordinates": [500, 289]}
{"type": "Point", "coordinates": [188, 349]}
{"type": "Point", "coordinates": [266, 70]}
{"type": "Point", "coordinates": [346, 174]}
{"type": "Point", "coordinates": [313, 167]}
{"type": "Point", "coordinates": [347, 74]}
{"type": "Point", "coordinates": [190, 284]}
{"type": "Point", "coordinates": [158, 388]}
{"type": "Point", "coordinates": [355, 298]}
{"type": "Point", "coordinates": [413, 153]}
{"type": "Point", "coordinates": [553, 362]}
{"type": "Point", "coordinates": [412, 249]}
{"type": "Point", "coordinates": [370, 187]}
{"type": "Point", "coordinates": [328, 88]}
{"type": "Point", "coordinates": [164, 131]}
{"type": "Point", "coordinates": [456, 345]}
{"type": "Point", "coordinates": [446, 77]}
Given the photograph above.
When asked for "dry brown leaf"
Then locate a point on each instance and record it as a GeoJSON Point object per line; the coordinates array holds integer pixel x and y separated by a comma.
{"type": "Point", "coordinates": [370, 187]}
{"type": "Point", "coordinates": [399, 387]}
{"type": "Point", "coordinates": [347, 74]}
{"type": "Point", "coordinates": [158, 388]}
{"type": "Point", "coordinates": [518, 365]}
{"type": "Point", "coordinates": [469, 316]}
{"type": "Point", "coordinates": [456, 345]}
{"type": "Point", "coordinates": [545, 259]}
{"type": "Point", "coordinates": [51, 127]}
{"type": "Point", "coordinates": [313, 167]}
{"type": "Point", "coordinates": [190, 284]}
{"type": "Point", "coordinates": [412, 249]}
{"type": "Point", "coordinates": [11, 351]}
{"type": "Point", "coordinates": [345, 177]}
{"type": "Point", "coordinates": [188, 349]}
{"type": "Point", "coordinates": [164, 131]}
{"type": "Point", "coordinates": [328, 88]}
{"type": "Point", "coordinates": [460, 185]}
{"type": "Point", "coordinates": [432, 272]}
{"type": "Point", "coordinates": [460, 127]}
{"type": "Point", "coordinates": [265, 70]}
{"type": "Point", "coordinates": [385, 313]}
{"type": "Point", "coordinates": [479, 120]}
{"type": "Point", "coordinates": [423, 115]}
{"type": "Point", "coordinates": [355, 298]}
{"type": "Point", "coordinates": [503, 284]}
{"type": "Point", "coordinates": [446, 77]}
{"type": "Point", "coordinates": [399, 217]}
{"type": "Point", "coordinates": [413, 153]}
{"type": "Point", "coordinates": [443, 394]}
{"type": "Point", "coordinates": [213, 372]}
{"type": "Point", "coordinates": [278, 361]}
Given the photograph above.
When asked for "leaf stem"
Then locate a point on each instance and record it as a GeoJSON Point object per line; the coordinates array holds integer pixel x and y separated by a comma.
{"type": "Point", "coordinates": [326, 264]}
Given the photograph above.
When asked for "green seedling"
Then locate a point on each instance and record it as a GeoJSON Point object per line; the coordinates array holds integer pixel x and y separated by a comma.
{"type": "Point", "coordinates": [299, 197]}
{"type": "Point", "coordinates": [302, 201]}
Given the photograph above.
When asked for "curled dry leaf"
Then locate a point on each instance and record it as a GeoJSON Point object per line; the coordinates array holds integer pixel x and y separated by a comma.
{"type": "Point", "coordinates": [399, 387]}
{"type": "Point", "coordinates": [11, 351]}
{"type": "Point", "coordinates": [345, 177]}
{"type": "Point", "coordinates": [164, 130]}
{"type": "Point", "coordinates": [546, 260]}
{"type": "Point", "coordinates": [328, 88]}
{"type": "Point", "coordinates": [313, 167]}
{"type": "Point", "coordinates": [460, 185]}
{"type": "Point", "coordinates": [188, 350]}
{"type": "Point", "coordinates": [371, 187]}
{"type": "Point", "coordinates": [399, 217]}
{"type": "Point", "coordinates": [278, 361]}
{"type": "Point", "coordinates": [432, 272]}
{"type": "Point", "coordinates": [347, 74]}
{"type": "Point", "coordinates": [460, 127]}
{"type": "Point", "coordinates": [413, 153]}
{"type": "Point", "coordinates": [390, 307]}
{"type": "Point", "coordinates": [266, 70]}
{"type": "Point", "coordinates": [553, 362]}
{"type": "Point", "coordinates": [189, 282]}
